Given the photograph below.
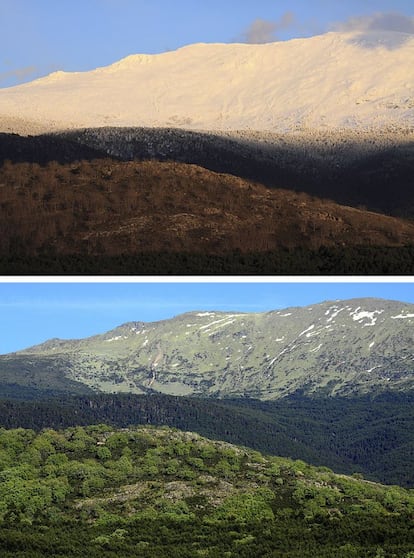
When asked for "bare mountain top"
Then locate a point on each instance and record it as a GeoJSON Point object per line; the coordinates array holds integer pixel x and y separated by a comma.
{"type": "Point", "coordinates": [335, 80]}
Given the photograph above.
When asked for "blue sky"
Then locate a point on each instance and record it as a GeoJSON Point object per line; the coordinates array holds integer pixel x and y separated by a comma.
{"type": "Point", "coordinates": [34, 312]}
{"type": "Point", "coordinates": [41, 36]}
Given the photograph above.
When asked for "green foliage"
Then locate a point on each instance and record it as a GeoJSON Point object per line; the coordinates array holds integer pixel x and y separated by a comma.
{"type": "Point", "coordinates": [321, 431]}
{"type": "Point", "coordinates": [246, 508]}
{"type": "Point", "coordinates": [164, 493]}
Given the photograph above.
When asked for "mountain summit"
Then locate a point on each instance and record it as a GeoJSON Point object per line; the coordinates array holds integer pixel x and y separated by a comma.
{"type": "Point", "coordinates": [342, 347]}
{"type": "Point", "coordinates": [352, 80]}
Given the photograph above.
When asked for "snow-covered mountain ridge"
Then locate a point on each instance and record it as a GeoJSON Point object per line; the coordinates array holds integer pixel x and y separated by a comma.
{"type": "Point", "coordinates": [336, 80]}
{"type": "Point", "coordinates": [340, 347]}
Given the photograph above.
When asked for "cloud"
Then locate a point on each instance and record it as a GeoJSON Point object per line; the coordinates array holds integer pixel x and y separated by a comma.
{"type": "Point", "coordinates": [265, 31]}
{"type": "Point", "coordinates": [20, 74]}
{"type": "Point", "coordinates": [381, 21]}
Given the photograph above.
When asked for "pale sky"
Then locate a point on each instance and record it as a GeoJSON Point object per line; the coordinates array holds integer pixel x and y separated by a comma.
{"type": "Point", "coordinates": [41, 36]}
{"type": "Point", "coordinates": [34, 312]}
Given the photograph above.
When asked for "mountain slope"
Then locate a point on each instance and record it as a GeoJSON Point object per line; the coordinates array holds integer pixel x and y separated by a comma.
{"type": "Point", "coordinates": [104, 207]}
{"type": "Point", "coordinates": [333, 80]}
{"type": "Point", "coordinates": [338, 348]}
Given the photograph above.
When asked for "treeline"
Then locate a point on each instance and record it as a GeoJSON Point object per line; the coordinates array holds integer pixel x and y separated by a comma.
{"type": "Point", "coordinates": [372, 436]}
{"type": "Point", "coordinates": [354, 260]}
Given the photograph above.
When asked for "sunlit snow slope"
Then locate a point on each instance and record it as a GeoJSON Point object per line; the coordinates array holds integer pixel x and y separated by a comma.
{"type": "Point", "coordinates": [334, 80]}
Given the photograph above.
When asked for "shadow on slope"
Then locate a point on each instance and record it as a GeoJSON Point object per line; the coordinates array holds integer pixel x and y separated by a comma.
{"type": "Point", "coordinates": [43, 149]}
{"type": "Point", "coordinates": [372, 170]}
{"type": "Point", "coordinates": [369, 171]}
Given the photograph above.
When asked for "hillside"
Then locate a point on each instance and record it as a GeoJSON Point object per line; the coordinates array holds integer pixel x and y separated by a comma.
{"type": "Point", "coordinates": [336, 348]}
{"type": "Point", "coordinates": [369, 435]}
{"type": "Point", "coordinates": [336, 80]}
{"type": "Point", "coordinates": [166, 493]}
{"type": "Point", "coordinates": [109, 208]}
{"type": "Point", "coordinates": [352, 167]}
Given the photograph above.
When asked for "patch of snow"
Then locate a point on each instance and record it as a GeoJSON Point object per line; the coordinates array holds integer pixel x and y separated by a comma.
{"type": "Point", "coordinates": [117, 338]}
{"type": "Point", "coordinates": [222, 325]}
{"type": "Point", "coordinates": [202, 314]}
{"type": "Point", "coordinates": [145, 343]}
{"type": "Point", "coordinates": [316, 348]}
{"type": "Point", "coordinates": [402, 316]}
{"type": "Point", "coordinates": [306, 330]}
{"type": "Point", "coordinates": [359, 315]}
{"type": "Point", "coordinates": [217, 321]}
{"type": "Point", "coordinates": [334, 314]}
{"type": "Point", "coordinates": [315, 332]}
{"type": "Point", "coordinates": [372, 344]}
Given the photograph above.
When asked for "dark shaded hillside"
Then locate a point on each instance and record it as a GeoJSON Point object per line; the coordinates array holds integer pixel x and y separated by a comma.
{"type": "Point", "coordinates": [354, 260]}
{"type": "Point", "coordinates": [42, 377]}
{"type": "Point", "coordinates": [43, 149]}
{"type": "Point", "coordinates": [372, 436]}
{"type": "Point", "coordinates": [360, 171]}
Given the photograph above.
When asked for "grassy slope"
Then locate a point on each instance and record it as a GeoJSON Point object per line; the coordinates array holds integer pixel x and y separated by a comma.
{"type": "Point", "coordinates": [264, 356]}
